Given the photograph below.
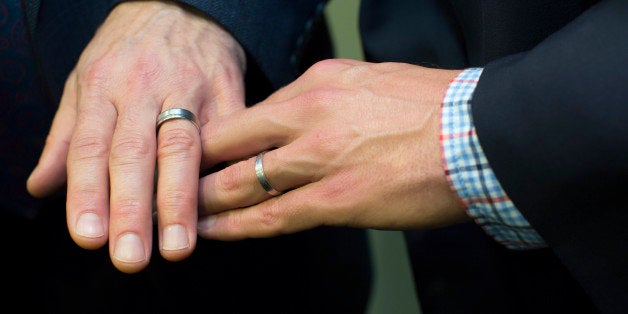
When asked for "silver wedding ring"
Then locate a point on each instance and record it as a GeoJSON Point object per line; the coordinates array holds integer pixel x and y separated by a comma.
{"type": "Point", "coordinates": [177, 113]}
{"type": "Point", "coordinates": [261, 177]}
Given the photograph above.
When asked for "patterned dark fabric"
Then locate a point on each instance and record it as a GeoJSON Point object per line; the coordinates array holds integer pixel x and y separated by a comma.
{"type": "Point", "coordinates": [24, 112]}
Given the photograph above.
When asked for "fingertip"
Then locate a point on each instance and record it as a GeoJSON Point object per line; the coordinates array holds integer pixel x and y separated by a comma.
{"type": "Point", "coordinates": [236, 225]}
{"type": "Point", "coordinates": [128, 253]}
{"type": "Point", "coordinates": [88, 231]}
{"type": "Point", "coordinates": [176, 243]}
{"type": "Point", "coordinates": [89, 244]}
{"type": "Point", "coordinates": [49, 174]}
{"type": "Point", "coordinates": [39, 185]}
{"type": "Point", "coordinates": [129, 268]}
{"type": "Point", "coordinates": [215, 227]}
{"type": "Point", "coordinates": [31, 185]}
{"type": "Point", "coordinates": [44, 180]}
{"type": "Point", "coordinates": [205, 224]}
{"type": "Point", "coordinates": [177, 256]}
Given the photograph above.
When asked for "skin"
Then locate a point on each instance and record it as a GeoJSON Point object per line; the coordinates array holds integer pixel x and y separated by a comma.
{"type": "Point", "coordinates": [351, 143]}
{"type": "Point", "coordinates": [148, 56]}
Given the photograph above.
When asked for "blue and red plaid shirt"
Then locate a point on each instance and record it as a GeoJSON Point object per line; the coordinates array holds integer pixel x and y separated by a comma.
{"type": "Point", "coordinates": [470, 175]}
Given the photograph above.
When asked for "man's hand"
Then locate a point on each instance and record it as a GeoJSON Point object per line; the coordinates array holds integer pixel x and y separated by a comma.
{"type": "Point", "coordinates": [147, 57]}
{"type": "Point", "coordinates": [350, 144]}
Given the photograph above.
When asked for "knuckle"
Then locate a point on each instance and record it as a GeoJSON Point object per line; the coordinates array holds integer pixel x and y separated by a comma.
{"type": "Point", "coordinates": [85, 191]}
{"type": "Point", "coordinates": [145, 70]}
{"type": "Point", "coordinates": [96, 74]}
{"type": "Point", "coordinates": [127, 208]}
{"type": "Point", "coordinates": [328, 144]}
{"type": "Point", "coordinates": [323, 66]}
{"type": "Point", "coordinates": [357, 73]}
{"type": "Point", "coordinates": [88, 147]}
{"type": "Point", "coordinates": [231, 179]}
{"type": "Point", "coordinates": [338, 211]}
{"type": "Point", "coordinates": [270, 217]}
{"type": "Point", "coordinates": [234, 223]}
{"type": "Point", "coordinates": [335, 197]}
{"type": "Point", "coordinates": [177, 141]}
{"type": "Point", "coordinates": [316, 68]}
{"type": "Point", "coordinates": [129, 150]}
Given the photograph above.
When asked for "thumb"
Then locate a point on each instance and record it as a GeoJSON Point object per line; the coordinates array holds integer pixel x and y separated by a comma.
{"type": "Point", "coordinates": [50, 173]}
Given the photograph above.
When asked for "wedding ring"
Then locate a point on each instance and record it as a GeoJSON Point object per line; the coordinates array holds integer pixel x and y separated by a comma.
{"type": "Point", "coordinates": [177, 113]}
{"type": "Point", "coordinates": [261, 177]}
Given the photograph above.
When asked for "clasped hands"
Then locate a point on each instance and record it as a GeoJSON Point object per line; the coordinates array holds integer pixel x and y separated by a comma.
{"type": "Point", "coordinates": [349, 143]}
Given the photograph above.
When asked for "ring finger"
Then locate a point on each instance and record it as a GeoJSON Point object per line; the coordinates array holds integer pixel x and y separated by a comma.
{"type": "Point", "coordinates": [242, 184]}
{"type": "Point", "coordinates": [178, 166]}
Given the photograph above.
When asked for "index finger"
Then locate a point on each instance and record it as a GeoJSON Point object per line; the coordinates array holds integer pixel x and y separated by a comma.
{"type": "Point", "coordinates": [246, 133]}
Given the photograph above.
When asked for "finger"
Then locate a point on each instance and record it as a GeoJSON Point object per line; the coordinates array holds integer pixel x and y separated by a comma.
{"type": "Point", "coordinates": [50, 173]}
{"type": "Point", "coordinates": [178, 155]}
{"type": "Point", "coordinates": [238, 185]}
{"type": "Point", "coordinates": [87, 171]}
{"type": "Point", "coordinates": [288, 213]}
{"type": "Point", "coordinates": [229, 188]}
{"type": "Point", "coordinates": [132, 172]}
{"type": "Point", "coordinates": [273, 122]}
{"type": "Point", "coordinates": [227, 97]}
{"type": "Point", "coordinates": [247, 132]}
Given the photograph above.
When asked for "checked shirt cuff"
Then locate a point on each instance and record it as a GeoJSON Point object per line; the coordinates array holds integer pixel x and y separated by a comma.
{"type": "Point", "coordinates": [470, 175]}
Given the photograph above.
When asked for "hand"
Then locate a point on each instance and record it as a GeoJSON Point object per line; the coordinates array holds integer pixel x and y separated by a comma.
{"type": "Point", "coordinates": [148, 56]}
{"type": "Point", "coordinates": [350, 143]}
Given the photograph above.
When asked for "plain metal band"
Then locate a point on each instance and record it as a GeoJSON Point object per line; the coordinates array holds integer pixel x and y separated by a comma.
{"type": "Point", "coordinates": [177, 113]}
{"type": "Point", "coordinates": [261, 177]}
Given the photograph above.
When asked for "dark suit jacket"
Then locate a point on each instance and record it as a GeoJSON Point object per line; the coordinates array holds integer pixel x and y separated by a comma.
{"type": "Point", "coordinates": [550, 115]}
{"type": "Point", "coordinates": [554, 125]}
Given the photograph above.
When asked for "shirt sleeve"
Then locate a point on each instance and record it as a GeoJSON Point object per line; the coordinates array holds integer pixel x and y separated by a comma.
{"type": "Point", "coordinates": [470, 175]}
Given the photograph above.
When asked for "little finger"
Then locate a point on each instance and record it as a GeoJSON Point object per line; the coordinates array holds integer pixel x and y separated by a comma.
{"type": "Point", "coordinates": [289, 213]}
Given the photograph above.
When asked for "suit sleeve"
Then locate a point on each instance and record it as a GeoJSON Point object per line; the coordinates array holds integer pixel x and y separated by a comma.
{"type": "Point", "coordinates": [553, 123]}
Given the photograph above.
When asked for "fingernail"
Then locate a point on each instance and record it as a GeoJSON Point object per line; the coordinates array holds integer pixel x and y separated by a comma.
{"type": "Point", "coordinates": [175, 237]}
{"type": "Point", "coordinates": [206, 223]}
{"type": "Point", "coordinates": [129, 249]}
{"type": "Point", "coordinates": [89, 225]}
